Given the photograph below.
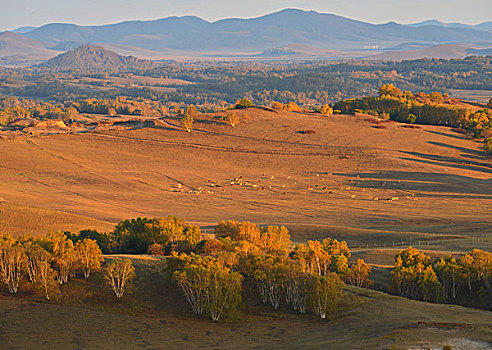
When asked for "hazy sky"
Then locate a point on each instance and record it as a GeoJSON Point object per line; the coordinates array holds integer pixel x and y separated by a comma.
{"type": "Point", "coordinates": [17, 13]}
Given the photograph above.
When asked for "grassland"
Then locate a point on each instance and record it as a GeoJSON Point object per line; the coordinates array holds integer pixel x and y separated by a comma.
{"type": "Point", "coordinates": [378, 188]}
{"type": "Point", "coordinates": [317, 184]}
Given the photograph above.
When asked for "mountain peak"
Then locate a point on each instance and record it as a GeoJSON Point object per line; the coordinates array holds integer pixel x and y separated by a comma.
{"type": "Point", "coordinates": [93, 58]}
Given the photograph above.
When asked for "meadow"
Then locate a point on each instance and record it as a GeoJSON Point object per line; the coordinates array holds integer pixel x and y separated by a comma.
{"type": "Point", "coordinates": [380, 189]}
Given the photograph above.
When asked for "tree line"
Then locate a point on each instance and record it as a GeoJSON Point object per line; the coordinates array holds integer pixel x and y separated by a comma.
{"type": "Point", "coordinates": [416, 276]}
{"type": "Point", "coordinates": [306, 277]}
{"type": "Point", "coordinates": [52, 260]}
{"type": "Point", "coordinates": [432, 109]}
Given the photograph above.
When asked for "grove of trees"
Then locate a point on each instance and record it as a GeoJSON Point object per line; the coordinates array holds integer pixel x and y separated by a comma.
{"type": "Point", "coordinates": [416, 276]}
{"type": "Point", "coordinates": [47, 261]}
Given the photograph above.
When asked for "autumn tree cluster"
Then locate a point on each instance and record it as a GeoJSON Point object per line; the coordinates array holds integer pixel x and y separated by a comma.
{"type": "Point", "coordinates": [433, 109]}
{"type": "Point", "coordinates": [47, 261]}
{"type": "Point", "coordinates": [416, 276]}
{"type": "Point", "coordinates": [305, 277]}
{"type": "Point", "coordinates": [52, 260]}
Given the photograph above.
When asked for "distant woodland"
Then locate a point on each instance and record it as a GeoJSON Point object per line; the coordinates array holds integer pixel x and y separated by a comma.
{"type": "Point", "coordinates": [414, 92]}
{"type": "Point", "coordinates": [216, 83]}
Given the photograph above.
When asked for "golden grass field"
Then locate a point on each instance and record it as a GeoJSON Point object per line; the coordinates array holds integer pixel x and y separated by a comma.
{"type": "Point", "coordinates": [374, 187]}
{"type": "Point", "coordinates": [316, 184]}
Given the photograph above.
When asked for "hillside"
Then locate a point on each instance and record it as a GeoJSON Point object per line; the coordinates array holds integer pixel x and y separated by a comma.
{"type": "Point", "coordinates": [15, 47]}
{"type": "Point", "coordinates": [89, 58]}
{"type": "Point", "coordinates": [153, 315]}
{"type": "Point", "coordinates": [438, 51]}
{"type": "Point", "coordinates": [256, 34]}
{"type": "Point", "coordinates": [379, 185]}
{"type": "Point", "coordinates": [352, 179]}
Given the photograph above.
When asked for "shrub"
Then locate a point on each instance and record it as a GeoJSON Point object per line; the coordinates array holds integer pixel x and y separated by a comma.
{"type": "Point", "coordinates": [232, 118]}
{"type": "Point", "coordinates": [156, 249]}
{"type": "Point", "coordinates": [488, 145]}
{"type": "Point", "coordinates": [187, 122]}
{"type": "Point", "coordinates": [244, 103]}
{"type": "Point", "coordinates": [277, 105]}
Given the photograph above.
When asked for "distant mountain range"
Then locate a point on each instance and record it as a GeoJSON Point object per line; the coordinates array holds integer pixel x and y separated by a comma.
{"type": "Point", "coordinates": [487, 26]}
{"type": "Point", "coordinates": [317, 34]}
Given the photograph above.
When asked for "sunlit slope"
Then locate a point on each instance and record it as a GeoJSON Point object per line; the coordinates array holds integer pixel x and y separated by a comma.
{"type": "Point", "coordinates": [351, 178]}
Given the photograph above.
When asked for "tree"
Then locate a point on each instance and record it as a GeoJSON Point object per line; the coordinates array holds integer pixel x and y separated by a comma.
{"type": "Point", "coordinates": [390, 90]}
{"type": "Point", "coordinates": [326, 110]}
{"type": "Point", "coordinates": [34, 256]}
{"type": "Point", "coordinates": [275, 240]}
{"type": "Point", "coordinates": [46, 275]}
{"type": "Point", "coordinates": [325, 293]}
{"type": "Point", "coordinates": [64, 255]}
{"type": "Point", "coordinates": [89, 256]}
{"type": "Point", "coordinates": [70, 114]}
{"type": "Point", "coordinates": [449, 271]}
{"type": "Point", "coordinates": [187, 122]}
{"type": "Point", "coordinates": [120, 274]}
{"type": "Point", "coordinates": [430, 287]}
{"type": "Point", "coordinates": [292, 107]}
{"type": "Point", "coordinates": [487, 145]}
{"type": "Point", "coordinates": [244, 103]}
{"type": "Point", "coordinates": [207, 284]}
{"type": "Point", "coordinates": [191, 111]}
{"type": "Point", "coordinates": [277, 105]}
{"type": "Point", "coordinates": [12, 263]}
{"type": "Point", "coordinates": [224, 290]}
{"type": "Point", "coordinates": [358, 274]}
{"type": "Point", "coordinates": [412, 118]}
{"type": "Point", "coordinates": [233, 119]}
{"type": "Point", "coordinates": [295, 285]}
{"type": "Point", "coordinates": [266, 272]}
{"type": "Point", "coordinates": [193, 281]}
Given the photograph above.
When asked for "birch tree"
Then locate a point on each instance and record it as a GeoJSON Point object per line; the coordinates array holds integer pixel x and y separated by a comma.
{"type": "Point", "coordinates": [89, 256]}
{"type": "Point", "coordinates": [325, 293]}
{"type": "Point", "coordinates": [120, 274]}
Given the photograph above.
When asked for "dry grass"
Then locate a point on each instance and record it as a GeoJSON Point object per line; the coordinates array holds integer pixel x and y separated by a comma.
{"type": "Point", "coordinates": [430, 183]}
{"type": "Point", "coordinates": [22, 220]}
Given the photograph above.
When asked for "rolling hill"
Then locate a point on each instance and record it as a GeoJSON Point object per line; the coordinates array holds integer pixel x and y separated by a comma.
{"type": "Point", "coordinates": [88, 57]}
{"type": "Point", "coordinates": [445, 51]}
{"type": "Point", "coordinates": [12, 44]}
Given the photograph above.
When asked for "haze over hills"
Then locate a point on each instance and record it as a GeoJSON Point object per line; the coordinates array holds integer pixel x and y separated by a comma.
{"type": "Point", "coordinates": [445, 51]}
{"type": "Point", "coordinates": [325, 36]}
{"type": "Point", "coordinates": [273, 30]}
{"type": "Point", "coordinates": [17, 49]}
{"type": "Point", "coordinates": [434, 22]}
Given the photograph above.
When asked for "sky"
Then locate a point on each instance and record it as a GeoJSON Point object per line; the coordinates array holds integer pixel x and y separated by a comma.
{"type": "Point", "coordinates": [18, 13]}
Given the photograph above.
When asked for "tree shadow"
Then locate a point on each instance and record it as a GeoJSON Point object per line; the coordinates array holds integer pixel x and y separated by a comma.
{"type": "Point", "coordinates": [454, 134]}
{"type": "Point", "coordinates": [441, 185]}
{"type": "Point", "coordinates": [450, 165]}
{"type": "Point", "coordinates": [462, 149]}
{"type": "Point", "coordinates": [451, 162]}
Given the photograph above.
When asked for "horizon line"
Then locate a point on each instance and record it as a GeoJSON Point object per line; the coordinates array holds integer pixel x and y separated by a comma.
{"type": "Point", "coordinates": [235, 18]}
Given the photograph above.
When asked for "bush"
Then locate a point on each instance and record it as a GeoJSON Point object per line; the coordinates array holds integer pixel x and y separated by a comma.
{"type": "Point", "coordinates": [156, 249]}
{"type": "Point", "coordinates": [244, 103]}
{"type": "Point", "coordinates": [277, 105]}
{"type": "Point", "coordinates": [487, 145]}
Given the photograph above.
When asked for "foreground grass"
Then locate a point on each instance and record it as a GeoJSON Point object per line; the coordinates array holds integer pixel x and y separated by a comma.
{"type": "Point", "coordinates": [153, 315]}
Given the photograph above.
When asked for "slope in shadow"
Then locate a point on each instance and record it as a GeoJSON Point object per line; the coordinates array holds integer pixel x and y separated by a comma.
{"type": "Point", "coordinates": [425, 182]}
